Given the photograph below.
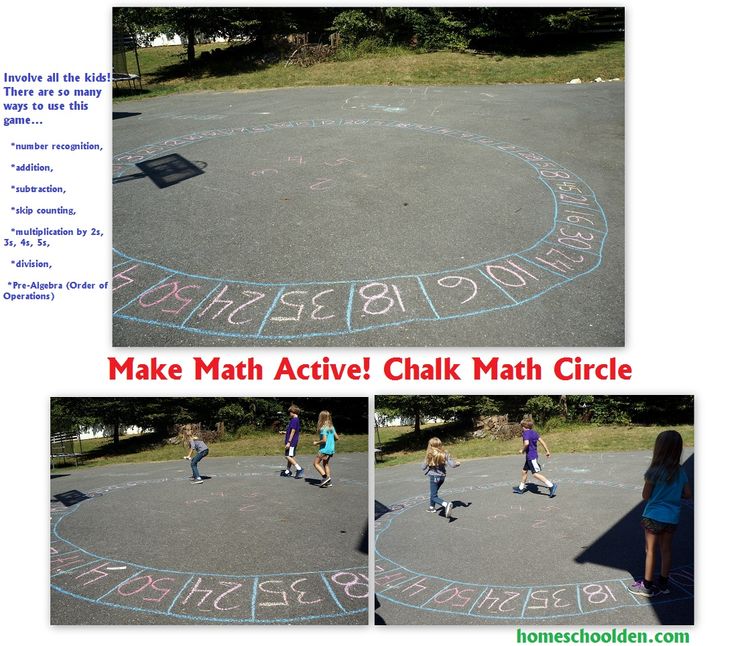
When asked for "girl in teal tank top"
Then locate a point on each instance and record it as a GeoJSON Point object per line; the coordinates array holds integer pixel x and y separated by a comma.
{"type": "Point", "coordinates": [327, 437]}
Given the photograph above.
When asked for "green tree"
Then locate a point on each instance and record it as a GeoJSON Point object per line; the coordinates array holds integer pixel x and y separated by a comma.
{"type": "Point", "coordinates": [83, 412]}
{"type": "Point", "coordinates": [189, 22]}
{"type": "Point", "coordinates": [542, 408]}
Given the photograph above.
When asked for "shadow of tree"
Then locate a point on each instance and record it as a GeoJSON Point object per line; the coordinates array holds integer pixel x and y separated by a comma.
{"type": "Point", "coordinates": [127, 446]}
{"type": "Point", "coordinates": [121, 92]}
{"type": "Point", "coordinates": [557, 44]}
{"type": "Point", "coordinates": [227, 61]}
{"type": "Point", "coordinates": [415, 441]}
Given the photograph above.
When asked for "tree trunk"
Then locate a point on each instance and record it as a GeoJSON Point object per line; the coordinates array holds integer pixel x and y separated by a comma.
{"type": "Point", "coordinates": [563, 406]}
{"type": "Point", "coordinates": [190, 44]}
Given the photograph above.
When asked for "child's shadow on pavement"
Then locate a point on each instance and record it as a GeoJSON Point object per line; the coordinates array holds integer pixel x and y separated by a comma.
{"type": "Point", "coordinates": [456, 504]}
{"type": "Point", "coordinates": [536, 489]}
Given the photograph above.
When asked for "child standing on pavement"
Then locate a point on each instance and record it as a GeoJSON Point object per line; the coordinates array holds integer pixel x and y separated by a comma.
{"type": "Point", "coordinates": [530, 438]}
{"type": "Point", "coordinates": [327, 437]}
{"type": "Point", "coordinates": [291, 440]}
{"type": "Point", "coordinates": [665, 485]}
{"type": "Point", "coordinates": [435, 467]}
{"type": "Point", "coordinates": [196, 444]}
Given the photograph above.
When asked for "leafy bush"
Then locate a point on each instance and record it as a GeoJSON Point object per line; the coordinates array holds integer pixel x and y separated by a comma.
{"type": "Point", "coordinates": [426, 28]}
{"type": "Point", "coordinates": [402, 25]}
{"type": "Point", "coordinates": [355, 25]}
{"type": "Point", "coordinates": [541, 408]}
{"type": "Point", "coordinates": [567, 21]}
{"type": "Point", "coordinates": [440, 30]}
{"type": "Point", "coordinates": [609, 410]}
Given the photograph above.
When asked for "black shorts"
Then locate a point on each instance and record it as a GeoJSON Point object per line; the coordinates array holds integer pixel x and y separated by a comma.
{"type": "Point", "coordinates": [289, 451]}
{"type": "Point", "coordinates": [533, 466]}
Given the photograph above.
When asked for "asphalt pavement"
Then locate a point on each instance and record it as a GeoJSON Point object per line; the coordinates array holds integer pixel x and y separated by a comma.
{"type": "Point", "coordinates": [525, 559]}
{"type": "Point", "coordinates": [371, 216]}
{"type": "Point", "coordinates": [142, 544]}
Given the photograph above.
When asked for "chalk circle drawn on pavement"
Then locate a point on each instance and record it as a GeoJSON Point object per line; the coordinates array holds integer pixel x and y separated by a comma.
{"type": "Point", "coordinates": [223, 598]}
{"type": "Point", "coordinates": [170, 297]}
{"type": "Point", "coordinates": [498, 601]}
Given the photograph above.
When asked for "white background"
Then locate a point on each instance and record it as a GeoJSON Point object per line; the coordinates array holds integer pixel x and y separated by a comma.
{"type": "Point", "coordinates": [679, 299]}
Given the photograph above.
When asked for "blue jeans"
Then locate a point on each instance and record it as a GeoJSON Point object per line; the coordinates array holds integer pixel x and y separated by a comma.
{"type": "Point", "coordinates": [195, 459]}
{"type": "Point", "coordinates": [435, 482]}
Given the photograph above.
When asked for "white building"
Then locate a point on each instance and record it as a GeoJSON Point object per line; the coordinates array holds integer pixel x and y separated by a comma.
{"type": "Point", "coordinates": [101, 431]}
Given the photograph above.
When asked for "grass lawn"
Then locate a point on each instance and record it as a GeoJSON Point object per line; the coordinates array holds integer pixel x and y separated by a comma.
{"type": "Point", "coordinates": [146, 448]}
{"type": "Point", "coordinates": [401, 445]}
{"type": "Point", "coordinates": [164, 70]}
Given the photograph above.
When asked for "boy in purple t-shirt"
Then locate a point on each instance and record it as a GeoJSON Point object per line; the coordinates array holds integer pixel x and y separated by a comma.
{"type": "Point", "coordinates": [530, 437]}
{"type": "Point", "coordinates": [290, 443]}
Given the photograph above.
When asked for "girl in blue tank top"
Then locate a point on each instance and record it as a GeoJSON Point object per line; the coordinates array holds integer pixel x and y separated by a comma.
{"type": "Point", "coordinates": [327, 437]}
{"type": "Point", "coordinates": [665, 485]}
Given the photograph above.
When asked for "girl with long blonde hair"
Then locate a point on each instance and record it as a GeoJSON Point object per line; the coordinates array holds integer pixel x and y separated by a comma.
{"type": "Point", "coordinates": [327, 437]}
{"type": "Point", "coordinates": [196, 445]}
{"type": "Point", "coordinates": [435, 464]}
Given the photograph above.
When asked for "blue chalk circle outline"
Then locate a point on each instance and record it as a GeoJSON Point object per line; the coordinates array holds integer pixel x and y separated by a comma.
{"type": "Point", "coordinates": [566, 236]}
{"type": "Point", "coordinates": [138, 569]}
{"type": "Point", "coordinates": [525, 591]}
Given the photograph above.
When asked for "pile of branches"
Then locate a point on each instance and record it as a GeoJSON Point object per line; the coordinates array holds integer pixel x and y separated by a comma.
{"type": "Point", "coordinates": [310, 54]}
{"type": "Point", "coordinates": [208, 435]}
{"type": "Point", "coordinates": [496, 427]}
